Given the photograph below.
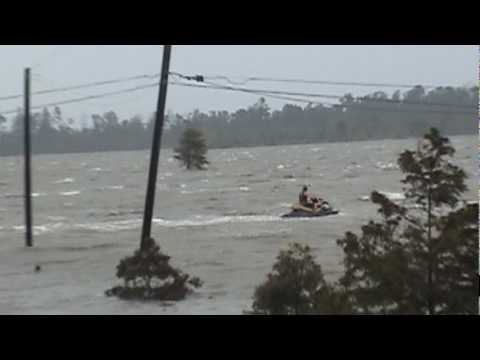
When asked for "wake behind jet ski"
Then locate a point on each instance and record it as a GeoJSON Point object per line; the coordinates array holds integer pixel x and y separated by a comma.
{"type": "Point", "coordinates": [310, 206]}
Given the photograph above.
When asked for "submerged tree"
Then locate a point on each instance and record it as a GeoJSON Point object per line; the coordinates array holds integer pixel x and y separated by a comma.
{"type": "Point", "coordinates": [422, 256]}
{"type": "Point", "coordinates": [297, 286]}
{"type": "Point", "coordinates": [192, 149]}
{"type": "Point", "coordinates": [147, 275]}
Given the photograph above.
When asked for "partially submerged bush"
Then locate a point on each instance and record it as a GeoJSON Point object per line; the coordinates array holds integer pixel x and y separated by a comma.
{"type": "Point", "coordinates": [147, 275]}
{"type": "Point", "coordinates": [297, 286]}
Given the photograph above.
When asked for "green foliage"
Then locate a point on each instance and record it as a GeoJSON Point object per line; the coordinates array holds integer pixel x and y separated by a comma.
{"type": "Point", "coordinates": [297, 286]}
{"type": "Point", "coordinates": [147, 275]}
{"type": "Point", "coordinates": [421, 257]}
{"type": "Point", "coordinates": [192, 150]}
{"type": "Point", "coordinates": [457, 249]}
{"type": "Point", "coordinates": [375, 116]}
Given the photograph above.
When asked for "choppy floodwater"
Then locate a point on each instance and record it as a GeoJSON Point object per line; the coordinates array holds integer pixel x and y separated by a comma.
{"type": "Point", "coordinates": [222, 225]}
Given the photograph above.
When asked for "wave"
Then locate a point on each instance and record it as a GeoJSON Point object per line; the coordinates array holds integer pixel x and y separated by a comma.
{"type": "Point", "coordinates": [190, 192]}
{"type": "Point", "coordinates": [263, 234]}
{"type": "Point", "coordinates": [216, 220]}
{"type": "Point", "coordinates": [392, 196]}
{"type": "Point", "coordinates": [112, 226]}
{"type": "Point", "coordinates": [83, 248]}
{"type": "Point", "coordinates": [40, 229]}
{"type": "Point", "coordinates": [12, 196]}
{"type": "Point", "coordinates": [70, 193]}
{"type": "Point", "coordinates": [120, 213]}
{"type": "Point", "coordinates": [18, 196]}
{"type": "Point", "coordinates": [387, 166]}
{"type": "Point", "coordinates": [131, 224]}
{"type": "Point", "coordinates": [98, 169]}
{"type": "Point", "coordinates": [56, 218]}
{"type": "Point", "coordinates": [113, 187]}
{"type": "Point", "coordinates": [65, 181]}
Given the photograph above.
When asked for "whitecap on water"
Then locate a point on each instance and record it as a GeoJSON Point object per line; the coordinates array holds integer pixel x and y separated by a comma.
{"type": "Point", "coordinates": [70, 193]}
{"type": "Point", "coordinates": [38, 194]}
{"type": "Point", "coordinates": [392, 196]}
{"type": "Point", "coordinates": [216, 220]}
{"type": "Point", "coordinates": [280, 167]}
{"type": "Point", "coordinates": [244, 188]}
{"type": "Point", "coordinates": [187, 192]}
{"type": "Point", "coordinates": [40, 229]}
{"type": "Point", "coordinates": [388, 166]}
{"type": "Point", "coordinates": [65, 181]}
{"type": "Point", "coordinates": [112, 226]}
{"type": "Point", "coordinates": [115, 187]}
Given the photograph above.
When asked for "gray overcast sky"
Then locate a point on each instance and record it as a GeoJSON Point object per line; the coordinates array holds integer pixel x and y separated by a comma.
{"type": "Point", "coordinates": [65, 65]}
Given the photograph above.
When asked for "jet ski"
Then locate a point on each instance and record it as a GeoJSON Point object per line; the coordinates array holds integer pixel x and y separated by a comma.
{"type": "Point", "coordinates": [299, 211]}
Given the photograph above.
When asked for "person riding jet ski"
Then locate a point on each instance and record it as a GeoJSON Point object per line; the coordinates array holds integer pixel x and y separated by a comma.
{"type": "Point", "coordinates": [311, 202]}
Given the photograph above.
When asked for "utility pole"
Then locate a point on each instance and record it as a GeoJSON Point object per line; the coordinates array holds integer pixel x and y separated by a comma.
{"type": "Point", "coordinates": [27, 155]}
{"type": "Point", "coordinates": [155, 151]}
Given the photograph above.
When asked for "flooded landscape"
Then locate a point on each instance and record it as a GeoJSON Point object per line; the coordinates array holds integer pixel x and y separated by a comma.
{"type": "Point", "coordinates": [223, 225]}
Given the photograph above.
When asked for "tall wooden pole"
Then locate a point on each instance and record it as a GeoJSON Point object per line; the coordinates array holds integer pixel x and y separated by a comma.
{"type": "Point", "coordinates": [27, 154]}
{"type": "Point", "coordinates": [156, 145]}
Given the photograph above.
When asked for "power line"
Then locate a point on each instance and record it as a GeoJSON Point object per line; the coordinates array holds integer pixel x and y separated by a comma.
{"type": "Point", "coordinates": [85, 98]}
{"type": "Point", "coordinates": [200, 78]}
{"type": "Point", "coordinates": [338, 97]}
{"type": "Point", "coordinates": [284, 94]}
{"type": "Point", "coordinates": [84, 86]}
{"type": "Point", "coordinates": [320, 82]}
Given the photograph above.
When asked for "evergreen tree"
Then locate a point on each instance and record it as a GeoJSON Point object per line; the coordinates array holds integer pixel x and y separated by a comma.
{"type": "Point", "coordinates": [297, 286]}
{"type": "Point", "coordinates": [422, 256]}
{"type": "Point", "coordinates": [374, 116]}
{"type": "Point", "coordinates": [192, 149]}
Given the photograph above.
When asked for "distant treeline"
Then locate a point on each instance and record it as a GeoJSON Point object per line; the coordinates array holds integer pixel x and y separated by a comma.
{"type": "Point", "coordinates": [377, 116]}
